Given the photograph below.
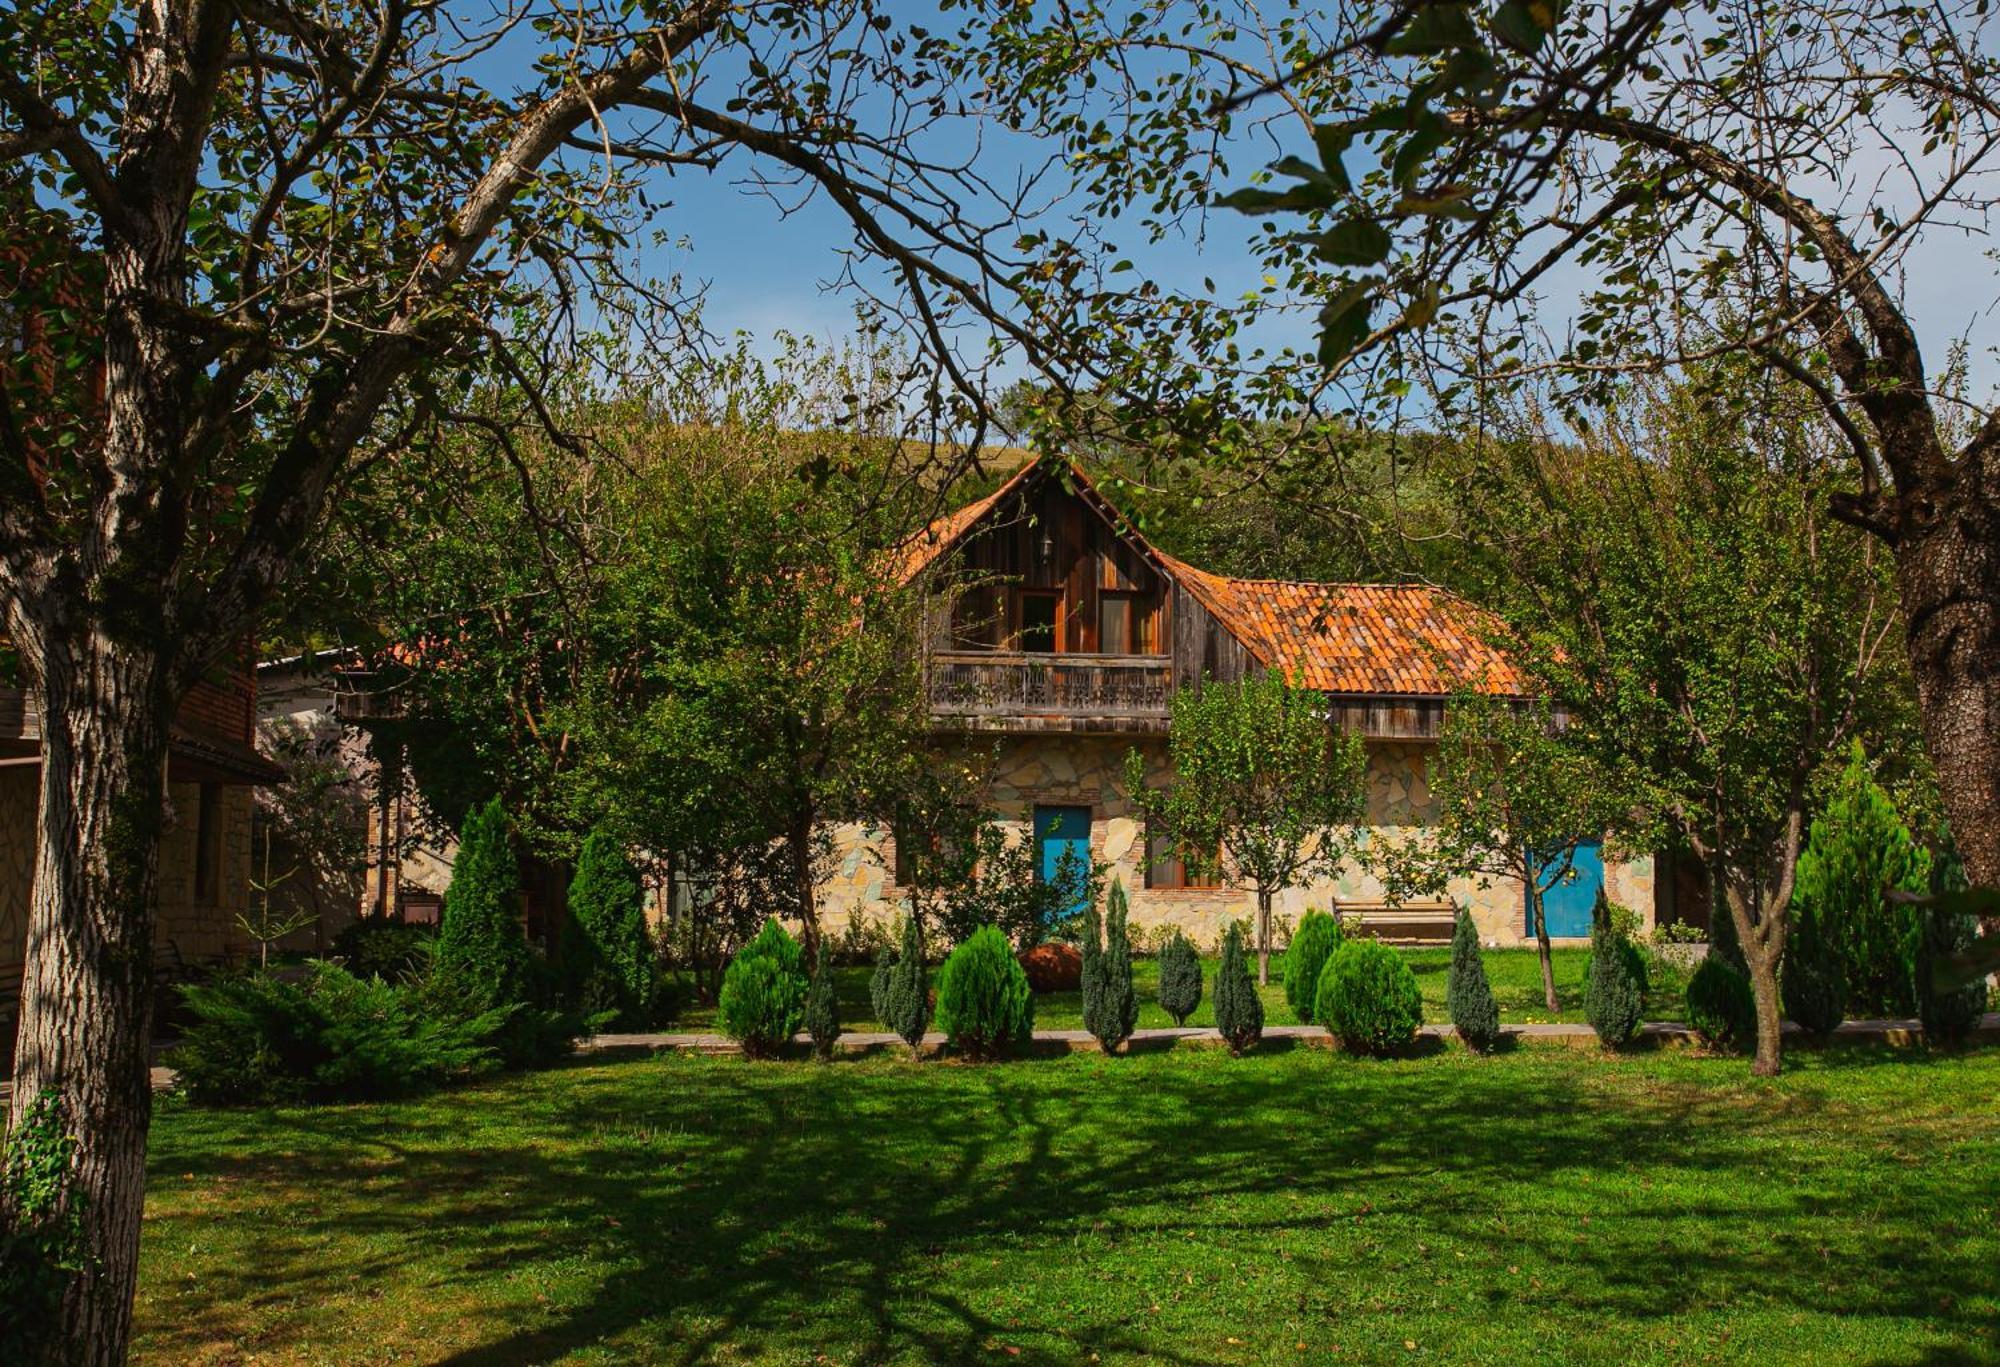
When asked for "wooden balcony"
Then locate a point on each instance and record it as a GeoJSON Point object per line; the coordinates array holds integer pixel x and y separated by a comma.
{"type": "Point", "coordinates": [990, 690]}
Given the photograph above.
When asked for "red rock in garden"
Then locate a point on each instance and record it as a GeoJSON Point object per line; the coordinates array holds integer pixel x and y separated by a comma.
{"type": "Point", "coordinates": [1053, 968]}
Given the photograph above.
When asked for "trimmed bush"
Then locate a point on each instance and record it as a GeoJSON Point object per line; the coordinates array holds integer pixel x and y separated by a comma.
{"type": "Point", "coordinates": [1368, 998]}
{"type": "Point", "coordinates": [1720, 1006]}
{"type": "Point", "coordinates": [907, 1002]}
{"type": "Point", "coordinates": [1614, 991]}
{"type": "Point", "coordinates": [1316, 940]}
{"type": "Point", "coordinates": [763, 999]}
{"type": "Point", "coordinates": [1468, 995]}
{"type": "Point", "coordinates": [1948, 1015]}
{"type": "Point", "coordinates": [1110, 1007]}
{"type": "Point", "coordinates": [608, 952]}
{"type": "Point", "coordinates": [1052, 967]}
{"type": "Point", "coordinates": [482, 959]}
{"type": "Point", "coordinates": [1812, 980]}
{"type": "Point", "coordinates": [1239, 1011]}
{"type": "Point", "coordinates": [258, 1040]}
{"type": "Point", "coordinates": [878, 985]}
{"type": "Point", "coordinates": [984, 1006]}
{"type": "Point", "coordinates": [822, 1012]}
{"type": "Point", "coordinates": [1180, 978]}
{"type": "Point", "coordinates": [41, 1229]}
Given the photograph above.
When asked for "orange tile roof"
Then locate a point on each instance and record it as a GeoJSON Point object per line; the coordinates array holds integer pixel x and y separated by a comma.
{"type": "Point", "coordinates": [1332, 638]}
{"type": "Point", "coordinates": [1358, 638]}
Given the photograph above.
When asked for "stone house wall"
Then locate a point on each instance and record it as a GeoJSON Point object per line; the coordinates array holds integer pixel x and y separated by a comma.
{"type": "Point", "coordinates": [1088, 771]}
{"type": "Point", "coordinates": [198, 929]}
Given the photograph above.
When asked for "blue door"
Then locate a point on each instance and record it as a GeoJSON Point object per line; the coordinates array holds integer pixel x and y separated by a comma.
{"type": "Point", "coordinates": [1062, 848]}
{"type": "Point", "coordinates": [1568, 896]}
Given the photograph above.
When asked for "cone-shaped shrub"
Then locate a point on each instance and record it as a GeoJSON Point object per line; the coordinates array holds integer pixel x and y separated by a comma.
{"type": "Point", "coordinates": [609, 952]}
{"type": "Point", "coordinates": [1468, 995]}
{"type": "Point", "coordinates": [1180, 978]}
{"type": "Point", "coordinates": [1948, 1015]}
{"type": "Point", "coordinates": [822, 1011]}
{"type": "Point", "coordinates": [1110, 1006]}
{"type": "Point", "coordinates": [1239, 1011]}
{"type": "Point", "coordinates": [1313, 943]}
{"type": "Point", "coordinates": [1812, 979]}
{"type": "Point", "coordinates": [1614, 992]}
{"type": "Point", "coordinates": [878, 985]}
{"type": "Point", "coordinates": [763, 1000]}
{"type": "Point", "coordinates": [984, 1005]}
{"type": "Point", "coordinates": [1720, 1006]}
{"type": "Point", "coordinates": [482, 959]}
{"type": "Point", "coordinates": [907, 1006]}
{"type": "Point", "coordinates": [1368, 998]}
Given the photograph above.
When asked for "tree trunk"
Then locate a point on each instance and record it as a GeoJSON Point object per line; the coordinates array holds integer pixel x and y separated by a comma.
{"type": "Point", "coordinates": [1263, 937]}
{"type": "Point", "coordinates": [87, 996]}
{"type": "Point", "coordinates": [1948, 575]}
{"type": "Point", "coordinates": [800, 840]}
{"type": "Point", "coordinates": [1762, 943]}
{"type": "Point", "coordinates": [1543, 948]}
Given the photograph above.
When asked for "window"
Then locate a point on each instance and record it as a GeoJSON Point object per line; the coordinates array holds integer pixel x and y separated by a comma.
{"type": "Point", "coordinates": [1038, 623]}
{"type": "Point", "coordinates": [1124, 623]}
{"type": "Point", "coordinates": [1165, 869]}
{"type": "Point", "coordinates": [208, 845]}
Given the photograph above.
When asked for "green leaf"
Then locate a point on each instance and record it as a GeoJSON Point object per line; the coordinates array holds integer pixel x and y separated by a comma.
{"type": "Point", "coordinates": [1451, 201]}
{"type": "Point", "coordinates": [1333, 142]}
{"type": "Point", "coordinates": [1524, 26]}
{"type": "Point", "coordinates": [1356, 242]}
{"type": "Point", "coordinates": [1426, 136]}
{"type": "Point", "coordinates": [1436, 28]}
{"type": "Point", "coordinates": [1344, 322]}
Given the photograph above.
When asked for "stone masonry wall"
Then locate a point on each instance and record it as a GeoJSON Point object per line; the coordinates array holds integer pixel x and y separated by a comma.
{"type": "Point", "coordinates": [1088, 771]}
{"type": "Point", "coordinates": [199, 929]}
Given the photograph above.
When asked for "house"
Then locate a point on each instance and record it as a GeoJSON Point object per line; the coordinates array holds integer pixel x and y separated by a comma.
{"type": "Point", "coordinates": [1059, 635]}
{"type": "Point", "coordinates": [205, 855]}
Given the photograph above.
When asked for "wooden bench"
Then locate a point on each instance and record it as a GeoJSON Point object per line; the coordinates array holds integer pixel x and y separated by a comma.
{"type": "Point", "coordinates": [1410, 923]}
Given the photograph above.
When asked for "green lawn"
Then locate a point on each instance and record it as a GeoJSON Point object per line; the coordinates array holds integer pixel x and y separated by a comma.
{"type": "Point", "coordinates": [1516, 975]}
{"type": "Point", "coordinates": [1548, 1205]}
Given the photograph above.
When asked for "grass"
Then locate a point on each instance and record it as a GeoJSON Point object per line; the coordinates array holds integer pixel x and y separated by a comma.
{"type": "Point", "coordinates": [1541, 1206]}
{"type": "Point", "coordinates": [1516, 975]}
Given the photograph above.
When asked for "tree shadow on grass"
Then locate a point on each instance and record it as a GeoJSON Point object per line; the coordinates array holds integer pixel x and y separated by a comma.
{"type": "Point", "coordinates": [723, 1208]}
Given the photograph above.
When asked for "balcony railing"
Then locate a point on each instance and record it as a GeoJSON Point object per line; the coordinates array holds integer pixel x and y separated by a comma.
{"type": "Point", "coordinates": [1001, 690]}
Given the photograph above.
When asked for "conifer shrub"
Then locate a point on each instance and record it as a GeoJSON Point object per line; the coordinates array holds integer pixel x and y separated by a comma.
{"type": "Point", "coordinates": [609, 960]}
{"type": "Point", "coordinates": [1468, 993]}
{"type": "Point", "coordinates": [1368, 998]}
{"type": "Point", "coordinates": [1720, 1006]}
{"type": "Point", "coordinates": [377, 947]}
{"type": "Point", "coordinates": [1812, 979]}
{"type": "Point", "coordinates": [1313, 944]}
{"type": "Point", "coordinates": [1110, 1006]}
{"type": "Point", "coordinates": [984, 1005]}
{"type": "Point", "coordinates": [482, 960]}
{"type": "Point", "coordinates": [1180, 978]}
{"type": "Point", "coordinates": [907, 1003]}
{"type": "Point", "coordinates": [1614, 990]}
{"type": "Point", "coordinates": [1948, 1014]}
{"type": "Point", "coordinates": [257, 1040]}
{"type": "Point", "coordinates": [822, 1011]}
{"type": "Point", "coordinates": [763, 997]}
{"type": "Point", "coordinates": [1239, 1011]}
{"type": "Point", "coordinates": [878, 984]}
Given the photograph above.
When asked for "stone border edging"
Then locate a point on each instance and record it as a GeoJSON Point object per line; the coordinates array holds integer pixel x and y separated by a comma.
{"type": "Point", "coordinates": [1656, 1033]}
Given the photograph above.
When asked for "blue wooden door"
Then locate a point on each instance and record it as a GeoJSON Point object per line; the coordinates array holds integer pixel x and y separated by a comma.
{"type": "Point", "coordinates": [1568, 897]}
{"type": "Point", "coordinates": [1061, 831]}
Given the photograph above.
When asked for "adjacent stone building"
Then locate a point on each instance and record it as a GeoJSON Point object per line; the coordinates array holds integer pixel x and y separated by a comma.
{"type": "Point", "coordinates": [1057, 639]}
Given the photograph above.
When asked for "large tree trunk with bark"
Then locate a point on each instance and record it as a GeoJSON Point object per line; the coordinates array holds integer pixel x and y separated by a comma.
{"type": "Point", "coordinates": [87, 997]}
{"type": "Point", "coordinates": [800, 842]}
{"type": "Point", "coordinates": [1948, 574]}
{"type": "Point", "coordinates": [1760, 936]}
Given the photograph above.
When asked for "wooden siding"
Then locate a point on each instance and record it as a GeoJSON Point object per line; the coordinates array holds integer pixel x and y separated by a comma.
{"type": "Point", "coordinates": [222, 710]}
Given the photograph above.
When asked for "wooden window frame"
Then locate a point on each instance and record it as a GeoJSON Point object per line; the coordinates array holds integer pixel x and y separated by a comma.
{"type": "Point", "coordinates": [1177, 878]}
